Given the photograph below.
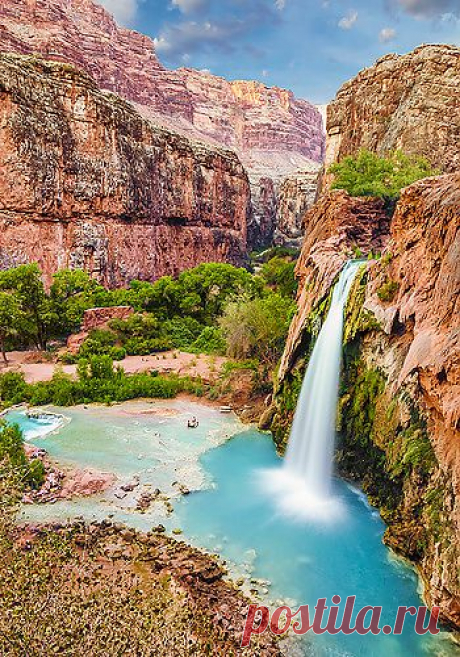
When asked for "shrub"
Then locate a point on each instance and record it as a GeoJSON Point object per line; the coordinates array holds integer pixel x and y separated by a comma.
{"type": "Point", "coordinates": [118, 353]}
{"type": "Point", "coordinates": [12, 451]}
{"type": "Point", "coordinates": [257, 328]}
{"type": "Point", "coordinates": [98, 342]}
{"type": "Point", "coordinates": [143, 347]}
{"type": "Point", "coordinates": [388, 291]}
{"type": "Point", "coordinates": [368, 174]}
{"type": "Point", "coordinates": [279, 273]}
{"type": "Point", "coordinates": [13, 387]}
{"type": "Point", "coordinates": [183, 332]}
{"type": "Point", "coordinates": [210, 341]}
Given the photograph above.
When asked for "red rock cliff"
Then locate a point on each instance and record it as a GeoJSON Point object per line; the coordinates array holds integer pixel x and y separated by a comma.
{"type": "Point", "coordinates": [273, 132]}
{"type": "Point", "coordinates": [403, 330]}
{"type": "Point", "coordinates": [87, 182]}
{"type": "Point", "coordinates": [407, 102]}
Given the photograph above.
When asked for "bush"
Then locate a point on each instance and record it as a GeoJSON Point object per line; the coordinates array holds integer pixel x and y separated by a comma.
{"type": "Point", "coordinates": [368, 174]}
{"type": "Point", "coordinates": [143, 347]}
{"type": "Point", "coordinates": [279, 273]}
{"type": "Point", "coordinates": [13, 387]}
{"type": "Point", "coordinates": [183, 332]}
{"type": "Point", "coordinates": [257, 328]}
{"type": "Point", "coordinates": [118, 353]}
{"type": "Point", "coordinates": [12, 451]}
{"type": "Point", "coordinates": [388, 291]}
{"type": "Point", "coordinates": [98, 342]}
{"type": "Point", "coordinates": [210, 341]}
{"type": "Point", "coordinates": [98, 381]}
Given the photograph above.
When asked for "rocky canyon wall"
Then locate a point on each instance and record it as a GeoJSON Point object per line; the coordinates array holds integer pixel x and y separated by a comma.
{"type": "Point", "coordinates": [407, 102]}
{"type": "Point", "coordinates": [274, 133]}
{"type": "Point", "coordinates": [88, 182]}
{"type": "Point", "coordinates": [399, 416]}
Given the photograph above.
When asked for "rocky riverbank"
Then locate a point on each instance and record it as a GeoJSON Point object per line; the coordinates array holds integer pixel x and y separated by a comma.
{"type": "Point", "coordinates": [107, 589]}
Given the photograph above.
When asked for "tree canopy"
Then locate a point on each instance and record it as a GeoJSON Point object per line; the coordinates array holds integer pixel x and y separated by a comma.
{"type": "Point", "coordinates": [367, 174]}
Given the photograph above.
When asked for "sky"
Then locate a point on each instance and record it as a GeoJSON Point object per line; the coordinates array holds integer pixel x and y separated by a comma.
{"type": "Point", "coordinates": [309, 46]}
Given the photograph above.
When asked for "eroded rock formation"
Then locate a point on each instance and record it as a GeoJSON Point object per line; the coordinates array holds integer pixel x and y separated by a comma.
{"type": "Point", "coordinates": [400, 409]}
{"type": "Point", "coordinates": [88, 182]}
{"type": "Point", "coordinates": [273, 132]}
{"type": "Point", "coordinates": [337, 228]}
{"type": "Point", "coordinates": [407, 102]}
{"type": "Point", "coordinates": [297, 195]}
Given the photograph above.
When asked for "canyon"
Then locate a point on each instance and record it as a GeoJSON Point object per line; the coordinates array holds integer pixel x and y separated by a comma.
{"type": "Point", "coordinates": [273, 133]}
{"type": "Point", "coordinates": [399, 412]}
{"type": "Point", "coordinates": [407, 102]}
{"type": "Point", "coordinates": [116, 165]}
{"type": "Point", "coordinates": [87, 182]}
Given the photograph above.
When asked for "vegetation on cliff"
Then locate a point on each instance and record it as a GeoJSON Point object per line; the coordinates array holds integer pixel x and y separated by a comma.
{"type": "Point", "coordinates": [367, 174]}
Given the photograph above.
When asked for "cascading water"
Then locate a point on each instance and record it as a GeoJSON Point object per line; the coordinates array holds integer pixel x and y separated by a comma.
{"type": "Point", "coordinates": [303, 485]}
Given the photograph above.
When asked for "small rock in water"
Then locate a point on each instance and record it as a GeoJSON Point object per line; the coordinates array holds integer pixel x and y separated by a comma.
{"type": "Point", "coordinates": [128, 488]}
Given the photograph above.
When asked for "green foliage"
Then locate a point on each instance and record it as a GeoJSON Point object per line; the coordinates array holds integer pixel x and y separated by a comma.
{"type": "Point", "coordinates": [12, 452]}
{"type": "Point", "coordinates": [257, 328]}
{"type": "Point", "coordinates": [210, 341]}
{"type": "Point", "coordinates": [34, 314]}
{"type": "Point", "coordinates": [13, 387]}
{"type": "Point", "coordinates": [72, 292]}
{"type": "Point", "coordinates": [279, 273]}
{"type": "Point", "coordinates": [11, 320]}
{"type": "Point", "coordinates": [368, 174]}
{"type": "Point", "coordinates": [98, 342]}
{"type": "Point", "coordinates": [180, 313]}
{"type": "Point", "coordinates": [200, 293]}
{"type": "Point", "coordinates": [183, 332]}
{"type": "Point", "coordinates": [388, 291]}
{"type": "Point", "coordinates": [97, 381]}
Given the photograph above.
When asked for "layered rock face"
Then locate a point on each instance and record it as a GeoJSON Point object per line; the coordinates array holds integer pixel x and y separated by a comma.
{"type": "Point", "coordinates": [87, 182]}
{"type": "Point", "coordinates": [335, 228]}
{"type": "Point", "coordinates": [407, 102]}
{"type": "Point", "coordinates": [274, 133]}
{"type": "Point", "coordinates": [400, 409]}
{"type": "Point", "coordinates": [297, 195]}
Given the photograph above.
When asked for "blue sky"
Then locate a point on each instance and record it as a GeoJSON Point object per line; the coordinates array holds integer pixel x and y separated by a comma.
{"type": "Point", "coordinates": [309, 46]}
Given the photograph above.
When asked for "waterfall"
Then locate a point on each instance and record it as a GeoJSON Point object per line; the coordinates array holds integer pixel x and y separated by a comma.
{"type": "Point", "coordinates": [303, 485]}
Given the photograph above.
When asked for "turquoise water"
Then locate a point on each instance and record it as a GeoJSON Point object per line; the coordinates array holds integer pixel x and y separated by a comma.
{"type": "Point", "coordinates": [229, 514]}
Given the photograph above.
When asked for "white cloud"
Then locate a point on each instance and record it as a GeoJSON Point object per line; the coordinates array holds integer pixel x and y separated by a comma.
{"type": "Point", "coordinates": [280, 4]}
{"type": "Point", "coordinates": [347, 22]}
{"type": "Point", "coordinates": [189, 6]}
{"type": "Point", "coordinates": [191, 35]}
{"type": "Point", "coordinates": [429, 8]}
{"type": "Point", "coordinates": [387, 34]}
{"type": "Point", "coordinates": [124, 11]}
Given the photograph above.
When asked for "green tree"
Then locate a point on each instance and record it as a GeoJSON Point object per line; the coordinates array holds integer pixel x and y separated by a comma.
{"type": "Point", "coordinates": [257, 328]}
{"type": "Point", "coordinates": [201, 292]}
{"type": "Point", "coordinates": [12, 451]}
{"type": "Point", "coordinates": [367, 174]}
{"type": "Point", "coordinates": [11, 319]}
{"type": "Point", "coordinates": [72, 292]}
{"type": "Point", "coordinates": [37, 313]}
{"type": "Point", "coordinates": [280, 273]}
